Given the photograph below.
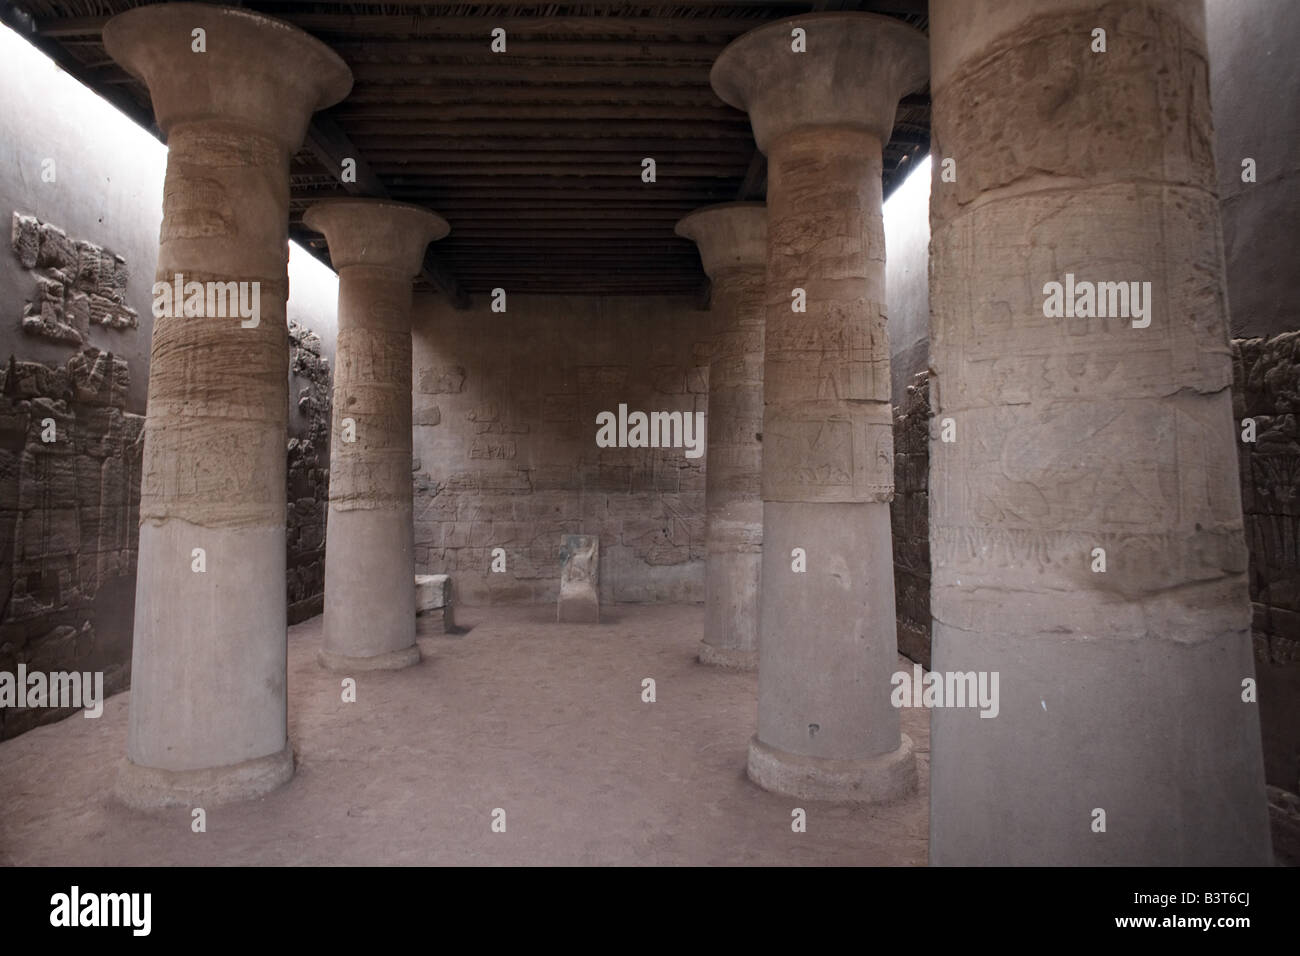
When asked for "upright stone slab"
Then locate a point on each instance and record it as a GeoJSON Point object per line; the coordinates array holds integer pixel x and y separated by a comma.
{"type": "Point", "coordinates": [376, 247]}
{"type": "Point", "coordinates": [580, 580]}
{"type": "Point", "coordinates": [826, 728]}
{"type": "Point", "coordinates": [433, 605]}
{"type": "Point", "coordinates": [732, 238]}
{"type": "Point", "coordinates": [208, 704]}
{"type": "Point", "coordinates": [1121, 737]}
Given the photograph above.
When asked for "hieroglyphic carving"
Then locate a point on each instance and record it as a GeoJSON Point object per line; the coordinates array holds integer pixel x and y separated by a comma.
{"type": "Point", "coordinates": [78, 284]}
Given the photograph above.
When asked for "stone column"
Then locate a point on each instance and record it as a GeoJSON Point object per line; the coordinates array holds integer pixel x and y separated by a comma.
{"type": "Point", "coordinates": [208, 704]}
{"type": "Point", "coordinates": [732, 238]}
{"type": "Point", "coordinates": [828, 640]}
{"type": "Point", "coordinates": [377, 248]}
{"type": "Point", "coordinates": [1086, 527]}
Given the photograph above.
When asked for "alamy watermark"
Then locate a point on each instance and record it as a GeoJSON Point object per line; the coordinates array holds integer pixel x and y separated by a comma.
{"type": "Point", "coordinates": [75, 908]}
{"type": "Point", "coordinates": [653, 430]}
{"type": "Point", "coordinates": [208, 300]}
{"type": "Point", "coordinates": [1100, 300]}
{"type": "Point", "coordinates": [56, 689]}
{"type": "Point", "coordinates": [951, 689]}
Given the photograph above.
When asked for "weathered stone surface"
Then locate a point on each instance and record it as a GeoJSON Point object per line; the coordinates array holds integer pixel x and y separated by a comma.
{"type": "Point", "coordinates": [579, 601]}
{"type": "Point", "coordinates": [1073, 434]}
{"type": "Point", "coordinates": [57, 251]}
{"type": "Point", "coordinates": [308, 474]}
{"type": "Point", "coordinates": [26, 239]}
{"type": "Point", "coordinates": [432, 591]}
{"type": "Point", "coordinates": [77, 283]}
{"type": "Point", "coordinates": [433, 605]}
{"type": "Point", "coordinates": [1266, 390]}
{"type": "Point", "coordinates": [377, 247]}
{"type": "Point", "coordinates": [558, 480]}
{"type": "Point", "coordinates": [442, 380]}
{"type": "Point", "coordinates": [208, 720]}
{"type": "Point", "coordinates": [910, 520]}
{"type": "Point", "coordinates": [828, 634]}
{"type": "Point", "coordinates": [732, 239]}
{"type": "Point", "coordinates": [99, 378]}
{"type": "Point", "coordinates": [427, 415]}
{"type": "Point", "coordinates": [67, 534]}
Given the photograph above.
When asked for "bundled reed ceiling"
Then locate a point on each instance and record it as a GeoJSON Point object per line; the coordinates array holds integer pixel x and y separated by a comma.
{"type": "Point", "coordinates": [533, 155]}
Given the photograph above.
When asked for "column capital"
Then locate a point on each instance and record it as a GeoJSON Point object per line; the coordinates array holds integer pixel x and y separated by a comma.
{"type": "Point", "coordinates": [728, 235]}
{"type": "Point", "coordinates": [376, 232]}
{"type": "Point", "coordinates": [253, 70]}
{"type": "Point", "coordinates": [855, 69]}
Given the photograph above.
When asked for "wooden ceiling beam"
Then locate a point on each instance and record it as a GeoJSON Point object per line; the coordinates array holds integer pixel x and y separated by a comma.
{"type": "Point", "coordinates": [474, 226]}
{"type": "Point", "coordinates": [604, 158]}
{"type": "Point", "coordinates": [526, 49]}
{"type": "Point", "coordinates": [436, 134]}
{"type": "Point", "coordinates": [415, 113]}
{"type": "Point", "coordinates": [665, 171]}
{"type": "Point", "coordinates": [632, 145]}
{"type": "Point", "coordinates": [540, 74]}
{"type": "Point", "coordinates": [403, 26]}
{"type": "Point", "coordinates": [612, 197]}
{"type": "Point", "coordinates": [367, 94]}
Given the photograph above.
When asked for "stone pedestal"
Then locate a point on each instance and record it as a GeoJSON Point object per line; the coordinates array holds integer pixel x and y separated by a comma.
{"type": "Point", "coordinates": [433, 605]}
{"type": "Point", "coordinates": [732, 238]}
{"type": "Point", "coordinates": [826, 728]}
{"type": "Point", "coordinates": [376, 247]}
{"type": "Point", "coordinates": [579, 601]}
{"type": "Point", "coordinates": [1085, 442]}
{"type": "Point", "coordinates": [208, 705]}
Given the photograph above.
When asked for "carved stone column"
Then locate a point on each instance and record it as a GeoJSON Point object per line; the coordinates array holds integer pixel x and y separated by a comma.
{"type": "Point", "coordinates": [1086, 530]}
{"type": "Point", "coordinates": [377, 248]}
{"type": "Point", "coordinates": [732, 238]}
{"type": "Point", "coordinates": [826, 728]}
{"type": "Point", "coordinates": [208, 704]}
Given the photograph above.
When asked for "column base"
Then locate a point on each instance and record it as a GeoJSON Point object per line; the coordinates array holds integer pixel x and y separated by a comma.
{"type": "Point", "coordinates": [881, 779]}
{"type": "Point", "coordinates": [388, 661]}
{"type": "Point", "coordinates": [151, 788]}
{"type": "Point", "coordinates": [728, 658]}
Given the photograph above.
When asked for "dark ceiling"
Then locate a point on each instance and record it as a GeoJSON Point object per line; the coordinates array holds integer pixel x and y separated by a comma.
{"type": "Point", "coordinates": [533, 156]}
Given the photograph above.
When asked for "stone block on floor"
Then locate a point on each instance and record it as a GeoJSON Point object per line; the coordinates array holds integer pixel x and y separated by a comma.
{"type": "Point", "coordinates": [433, 608]}
{"type": "Point", "coordinates": [580, 580]}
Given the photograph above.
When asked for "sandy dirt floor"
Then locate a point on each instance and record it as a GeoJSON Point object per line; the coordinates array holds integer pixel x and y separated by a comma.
{"type": "Point", "coordinates": [542, 720]}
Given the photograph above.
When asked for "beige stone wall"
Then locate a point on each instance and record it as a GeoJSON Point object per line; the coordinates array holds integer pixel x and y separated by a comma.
{"type": "Point", "coordinates": [505, 409]}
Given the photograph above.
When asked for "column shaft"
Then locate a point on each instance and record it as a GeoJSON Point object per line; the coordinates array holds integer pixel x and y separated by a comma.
{"type": "Point", "coordinates": [733, 506]}
{"type": "Point", "coordinates": [1086, 527]}
{"type": "Point", "coordinates": [214, 468]}
{"type": "Point", "coordinates": [377, 247]}
{"type": "Point", "coordinates": [732, 239]}
{"type": "Point", "coordinates": [828, 641]}
{"type": "Point", "coordinates": [208, 695]}
{"type": "Point", "coordinates": [370, 546]}
{"type": "Point", "coordinates": [828, 634]}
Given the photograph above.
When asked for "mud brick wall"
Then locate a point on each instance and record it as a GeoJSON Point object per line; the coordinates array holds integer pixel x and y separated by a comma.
{"type": "Point", "coordinates": [308, 484]}
{"type": "Point", "coordinates": [1267, 389]}
{"type": "Point", "coordinates": [910, 517]}
{"type": "Point", "coordinates": [505, 409]}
